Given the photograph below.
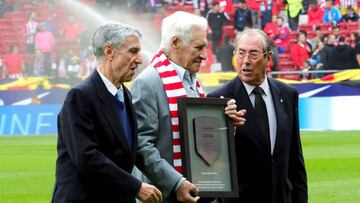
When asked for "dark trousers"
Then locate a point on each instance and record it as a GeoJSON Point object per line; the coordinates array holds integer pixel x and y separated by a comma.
{"type": "Point", "coordinates": [215, 38]}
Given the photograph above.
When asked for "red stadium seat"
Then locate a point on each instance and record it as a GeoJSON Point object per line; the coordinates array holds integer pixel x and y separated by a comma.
{"type": "Point", "coordinates": [342, 25]}
{"type": "Point", "coordinates": [306, 27]}
{"type": "Point", "coordinates": [353, 26]}
{"type": "Point", "coordinates": [293, 35]}
{"type": "Point", "coordinates": [286, 65]}
{"type": "Point", "coordinates": [284, 57]}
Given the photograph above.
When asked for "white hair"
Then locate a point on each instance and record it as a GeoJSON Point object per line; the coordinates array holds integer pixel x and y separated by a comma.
{"type": "Point", "coordinates": [180, 24]}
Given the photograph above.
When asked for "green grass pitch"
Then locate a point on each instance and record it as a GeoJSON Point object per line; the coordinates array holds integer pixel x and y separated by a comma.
{"type": "Point", "coordinates": [27, 167]}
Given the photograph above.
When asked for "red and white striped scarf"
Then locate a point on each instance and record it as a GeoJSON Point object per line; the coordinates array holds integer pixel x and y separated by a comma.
{"type": "Point", "coordinates": [174, 89]}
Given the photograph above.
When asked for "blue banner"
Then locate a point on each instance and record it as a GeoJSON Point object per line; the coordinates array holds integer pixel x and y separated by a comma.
{"type": "Point", "coordinates": [29, 119]}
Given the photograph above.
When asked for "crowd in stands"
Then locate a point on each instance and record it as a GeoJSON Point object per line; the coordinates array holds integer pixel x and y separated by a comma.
{"type": "Point", "coordinates": [41, 38]}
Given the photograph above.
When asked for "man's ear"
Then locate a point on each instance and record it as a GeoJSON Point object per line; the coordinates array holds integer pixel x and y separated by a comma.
{"type": "Point", "coordinates": [108, 52]}
{"type": "Point", "coordinates": [269, 56]}
{"type": "Point", "coordinates": [175, 41]}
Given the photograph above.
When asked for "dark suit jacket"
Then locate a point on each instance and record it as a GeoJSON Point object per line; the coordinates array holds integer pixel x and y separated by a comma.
{"type": "Point", "coordinates": [263, 177]}
{"type": "Point", "coordinates": [94, 161]}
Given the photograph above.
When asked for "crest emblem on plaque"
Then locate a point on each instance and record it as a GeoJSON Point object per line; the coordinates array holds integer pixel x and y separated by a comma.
{"type": "Point", "coordinates": [207, 138]}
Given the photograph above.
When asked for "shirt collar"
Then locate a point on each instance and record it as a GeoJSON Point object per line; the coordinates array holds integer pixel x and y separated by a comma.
{"type": "Point", "coordinates": [109, 85]}
{"type": "Point", "coordinates": [181, 71]}
{"type": "Point", "coordinates": [264, 85]}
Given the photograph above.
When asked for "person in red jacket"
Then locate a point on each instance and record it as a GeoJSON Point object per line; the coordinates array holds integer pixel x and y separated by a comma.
{"type": "Point", "coordinates": [282, 35]}
{"type": "Point", "coordinates": [300, 52]}
{"type": "Point", "coordinates": [14, 63]}
{"type": "Point", "coordinates": [315, 13]}
{"type": "Point", "coordinates": [271, 28]}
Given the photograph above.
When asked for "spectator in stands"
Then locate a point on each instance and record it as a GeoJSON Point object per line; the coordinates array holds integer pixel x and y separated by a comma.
{"type": "Point", "coordinates": [300, 52]}
{"type": "Point", "coordinates": [354, 39]}
{"type": "Point", "coordinates": [72, 30]}
{"type": "Point", "coordinates": [72, 63]}
{"type": "Point", "coordinates": [332, 13]}
{"type": "Point", "coordinates": [315, 58]}
{"type": "Point", "coordinates": [61, 69]}
{"type": "Point", "coordinates": [336, 33]}
{"type": "Point", "coordinates": [271, 28]}
{"type": "Point", "coordinates": [44, 41]}
{"type": "Point", "coordinates": [85, 42]}
{"type": "Point", "coordinates": [38, 63]}
{"type": "Point", "coordinates": [217, 18]}
{"type": "Point", "coordinates": [307, 41]}
{"type": "Point", "coordinates": [315, 13]}
{"type": "Point", "coordinates": [357, 53]}
{"type": "Point", "coordinates": [345, 4]}
{"type": "Point", "coordinates": [254, 6]}
{"type": "Point", "coordinates": [293, 9]}
{"type": "Point", "coordinates": [351, 15]}
{"type": "Point", "coordinates": [48, 22]}
{"type": "Point", "coordinates": [30, 29]}
{"type": "Point", "coordinates": [325, 52]}
{"type": "Point", "coordinates": [282, 35]}
{"type": "Point", "coordinates": [203, 6]}
{"type": "Point", "coordinates": [88, 65]}
{"type": "Point", "coordinates": [225, 54]}
{"type": "Point", "coordinates": [242, 17]}
{"type": "Point", "coordinates": [266, 7]}
{"type": "Point", "coordinates": [14, 63]}
{"type": "Point", "coordinates": [274, 62]}
{"type": "Point", "coordinates": [306, 5]}
{"type": "Point", "coordinates": [342, 56]}
{"type": "Point", "coordinates": [315, 40]}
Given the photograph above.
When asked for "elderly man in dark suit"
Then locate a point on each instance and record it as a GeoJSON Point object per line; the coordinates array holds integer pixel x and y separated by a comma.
{"type": "Point", "coordinates": [269, 157]}
{"type": "Point", "coordinates": [98, 130]}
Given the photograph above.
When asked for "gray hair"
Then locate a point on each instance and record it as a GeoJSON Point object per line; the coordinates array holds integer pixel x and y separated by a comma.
{"type": "Point", "coordinates": [256, 32]}
{"type": "Point", "coordinates": [180, 24]}
{"type": "Point", "coordinates": [113, 34]}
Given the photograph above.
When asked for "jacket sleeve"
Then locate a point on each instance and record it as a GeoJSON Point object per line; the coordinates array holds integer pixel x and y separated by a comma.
{"type": "Point", "coordinates": [150, 162]}
{"type": "Point", "coordinates": [297, 172]}
{"type": "Point", "coordinates": [76, 127]}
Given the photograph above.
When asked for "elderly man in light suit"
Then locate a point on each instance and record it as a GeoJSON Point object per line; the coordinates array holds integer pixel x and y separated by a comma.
{"type": "Point", "coordinates": [172, 74]}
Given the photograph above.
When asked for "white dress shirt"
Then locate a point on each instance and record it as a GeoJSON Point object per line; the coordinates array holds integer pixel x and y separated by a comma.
{"type": "Point", "coordinates": [269, 107]}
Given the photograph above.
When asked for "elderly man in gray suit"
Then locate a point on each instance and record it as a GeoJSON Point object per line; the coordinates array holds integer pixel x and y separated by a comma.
{"type": "Point", "coordinates": [172, 74]}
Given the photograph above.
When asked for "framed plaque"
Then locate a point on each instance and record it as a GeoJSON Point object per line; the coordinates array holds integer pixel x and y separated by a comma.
{"type": "Point", "coordinates": [207, 146]}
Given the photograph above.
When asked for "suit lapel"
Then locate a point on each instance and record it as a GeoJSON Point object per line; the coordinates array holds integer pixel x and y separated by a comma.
{"type": "Point", "coordinates": [109, 109]}
{"type": "Point", "coordinates": [243, 102]}
{"type": "Point", "coordinates": [281, 116]}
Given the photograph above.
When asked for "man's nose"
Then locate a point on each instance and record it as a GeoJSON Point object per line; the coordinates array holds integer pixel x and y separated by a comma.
{"type": "Point", "coordinates": [138, 60]}
{"type": "Point", "coordinates": [203, 54]}
{"type": "Point", "coordinates": [246, 59]}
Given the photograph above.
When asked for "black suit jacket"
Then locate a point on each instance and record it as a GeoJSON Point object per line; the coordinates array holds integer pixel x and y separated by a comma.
{"type": "Point", "coordinates": [263, 177]}
{"type": "Point", "coordinates": [94, 161]}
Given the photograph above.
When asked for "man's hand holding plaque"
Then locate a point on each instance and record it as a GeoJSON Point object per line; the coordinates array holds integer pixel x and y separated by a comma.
{"type": "Point", "coordinates": [237, 116]}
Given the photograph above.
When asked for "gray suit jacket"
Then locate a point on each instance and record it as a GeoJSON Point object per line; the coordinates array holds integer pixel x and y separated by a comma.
{"type": "Point", "coordinates": [155, 134]}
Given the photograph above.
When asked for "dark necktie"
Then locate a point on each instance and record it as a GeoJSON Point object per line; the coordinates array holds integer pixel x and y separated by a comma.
{"type": "Point", "coordinates": [261, 112]}
{"type": "Point", "coordinates": [124, 117]}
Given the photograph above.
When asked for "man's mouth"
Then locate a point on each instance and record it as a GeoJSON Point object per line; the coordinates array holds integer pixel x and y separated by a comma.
{"type": "Point", "coordinates": [247, 70]}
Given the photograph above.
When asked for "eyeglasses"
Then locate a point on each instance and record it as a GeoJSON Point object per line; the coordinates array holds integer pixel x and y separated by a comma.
{"type": "Point", "coordinates": [252, 55]}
